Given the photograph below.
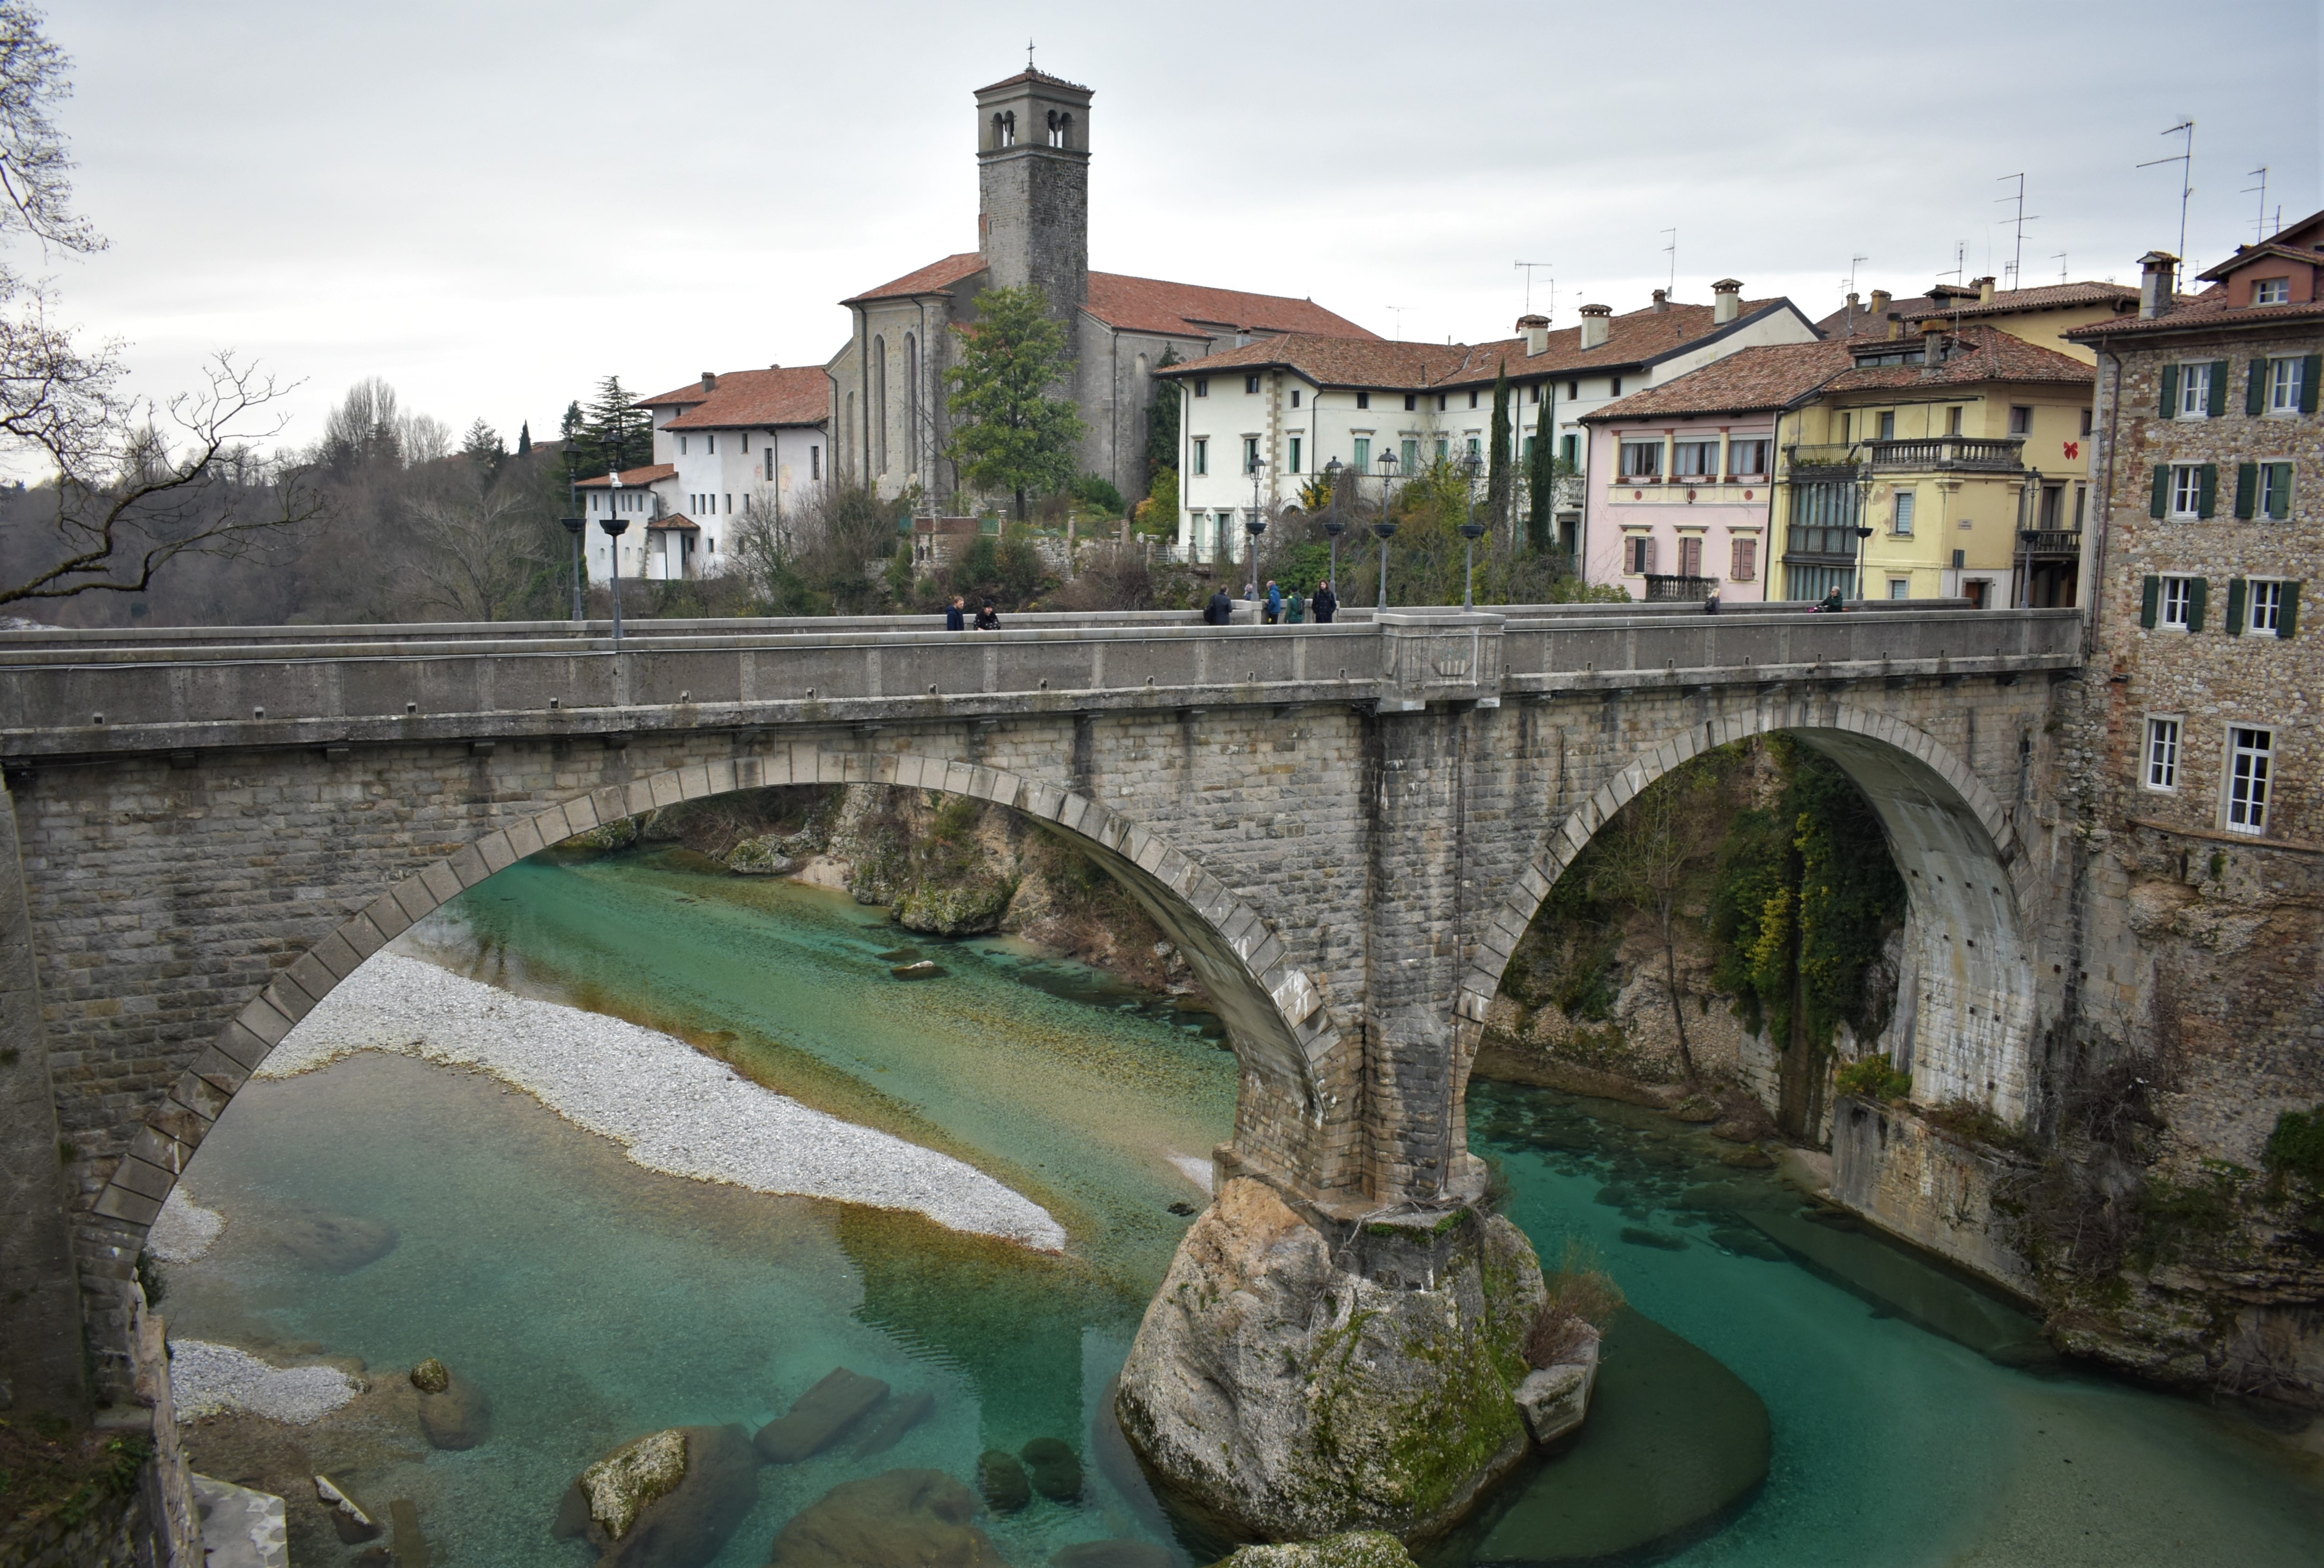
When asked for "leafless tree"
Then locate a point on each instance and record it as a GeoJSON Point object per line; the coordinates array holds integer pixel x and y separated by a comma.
{"type": "Point", "coordinates": [1661, 837]}
{"type": "Point", "coordinates": [481, 544]}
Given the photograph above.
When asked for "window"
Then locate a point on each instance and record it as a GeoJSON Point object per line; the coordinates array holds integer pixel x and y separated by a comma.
{"type": "Point", "coordinates": [2270, 291]}
{"type": "Point", "coordinates": [1443, 448]}
{"type": "Point", "coordinates": [1411, 401]}
{"type": "Point", "coordinates": [2194, 392]}
{"type": "Point", "coordinates": [1887, 426]}
{"type": "Point", "coordinates": [1952, 421]}
{"type": "Point", "coordinates": [1747, 458]}
{"type": "Point", "coordinates": [1440, 403]}
{"type": "Point", "coordinates": [2270, 490]}
{"type": "Point", "coordinates": [1250, 454]}
{"type": "Point", "coordinates": [2081, 505]}
{"type": "Point", "coordinates": [1363, 399]}
{"type": "Point", "coordinates": [2251, 758]}
{"type": "Point", "coordinates": [1642, 461]}
{"type": "Point", "coordinates": [1745, 558]}
{"type": "Point", "coordinates": [1527, 457]}
{"type": "Point", "coordinates": [710, 445]}
{"type": "Point", "coordinates": [1569, 448]}
{"type": "Point", "coordinates": [2266, 599]}
{"type": "Point", "coordinates": [1689, 557]}
{"type": "Point", "coordinates": [1900, 587]}
{"type": "Point", "coordinates": [1202, 454]}
{"type": "Point", "coordinates": [1295, 454]}
{"type": "Point", "coordinates": [1250, 383]}
{"type": "Point", "coordinates": [1614, 384]}
{"type": "Point", "coordinates": [1637, 556]}
{"type": "Point", "coordinates": [1410, 454]}
{"type": "Point", "coordinates": [1473, 401]}
{"type": "Point", "coordinates": [2052, 507]}
{"type": "Point", "coordinates": [2286, 382]}
{"type": "Point", "coordinates": [1572, 391]}
{"type": "Point", "coordinates": [815, 463]}
{"type": "Point", "coordinates": [2161, 754]}
{"type": "Point", "coordinates": [1847, 429]}
{"type": "Point", "coordinates": [2021, 420]}
{"type": "Point", "coordinates": [2178, 604]}
{"type": "Point", "coordinates": [1534, 392]}
{"type": "Point", "coordinates": [1294, 397]}
{"type": "Point", "coordinates": [1004, 129]}
{"type": "Point", "coordinates": [769, 451]}
{"type": "Point", "coordinates": [1695, 460]}
{"type": "Point", "coordinates": [1902, 526]}
{"type": "Point", "coordinates": [2086, 422]}
{"type": "Point", "coordinates": [681, 446]}
{"type": "Point", "coordinates": [1363, 453]}
{"type": "Point", "coordinates": [2187, 490]}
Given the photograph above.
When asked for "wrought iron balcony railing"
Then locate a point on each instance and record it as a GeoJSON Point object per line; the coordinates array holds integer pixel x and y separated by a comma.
{"type": "Point", "coordinates": [2051, 542]}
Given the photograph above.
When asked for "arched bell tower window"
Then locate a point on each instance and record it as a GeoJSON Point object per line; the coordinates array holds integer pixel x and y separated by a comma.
{"type": "Point", "coordinates": [1061, 125]}
{"type": "Point", "coordinates": [1004, 128]}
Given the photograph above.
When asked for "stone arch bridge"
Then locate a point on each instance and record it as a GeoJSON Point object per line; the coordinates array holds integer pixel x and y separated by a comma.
{"type": "Point", "coordinates": [1347, 828]}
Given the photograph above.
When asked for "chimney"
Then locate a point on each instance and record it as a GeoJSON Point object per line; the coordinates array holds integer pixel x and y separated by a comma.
{"type": "Point", "coordinates": [1880, 298]}
{"type": "Point", "coordinates": [1985, 290]}
{"type": "Point", "coordinates": [1597, 325]}
{"type": "Point", "coordinates": [1895, 325]}
{"type": "Point", "coordinates": [1534, 329]}
{"type": "Point", "coordinates": [1932, 343]}
{"type": "Point", "coordinates": [1662, 300]}
{"type": "Point", "coordinates": [2157, 271]}
{"type": "Point", "coordinates": [709, 382]}
{"type": "Point", "coordinates": [1725, 301]}
{"type": "Point", "coordinates": [774, 367]}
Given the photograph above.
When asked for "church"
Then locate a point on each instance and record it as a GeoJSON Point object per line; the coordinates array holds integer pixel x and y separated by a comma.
{"type": "Point", "coordinates": [890, 426]}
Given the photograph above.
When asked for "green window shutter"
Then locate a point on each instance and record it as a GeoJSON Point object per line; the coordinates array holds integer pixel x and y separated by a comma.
{"type": "Point", "coordinates": [2220, 370]}
{"type": "Point", "coordinates": [2169, 390]}
{"type": "Point", "coordinates": [2282, 508]}
{"type": "Point", "coordinates": [2311, 371]}
{"type": "Point", "coordinates": [2198, 591]}
{"type": "Point", "coordinates": [2161, 490]}
{"type": "Point", "coordinates": [2255, 390]}
{"type": "Point", "coordinates": [2150, 596]}
{"type": "Point", "coordinates": [2287, 615]}
{"type": "Point", "coordinates": [2246, 489]}
{"type": "Point", "coordinates": [2209, 503]}
{"type": "Point", "coordinates": [2235, 626]}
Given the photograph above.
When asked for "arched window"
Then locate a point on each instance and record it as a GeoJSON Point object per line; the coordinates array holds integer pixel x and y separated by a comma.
{"type": "Point", "coordinates": [879, 405]}
{"type": "Point", "coordinates": [914, 437]}
{"type": "Point", "coordinates": [1004, 129]}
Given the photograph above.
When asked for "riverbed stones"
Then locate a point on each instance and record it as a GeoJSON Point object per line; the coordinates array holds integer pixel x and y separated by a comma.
{"type": "Point", "coordinates": [454, 1413]}
{"type": "Point", "coordinates": [1356, 1549]}
{"type": "Point", "coordinates": [334, 1244]}
{"type": "Point", "coordinates": [1554, 1398]}
{"type": "Point", "coordinates": [895, 1421]}
{"type": "Point", "coordinates": [759, 857]}
{"type": "Point", "coordinates": [1113, 1554]}
{"type": "Point", "coordinates": [815, 1420]}
{"type": "Point", "coordinates": [669, 1499]}
{"type": "Point", "coordinates": [349, 1518]}
{"type": "Point", "coordinates": [1289, 1385]}
{"type": "Point", "coordinates": [902, 1517]}
{"type": "Point", "coordinates": [1006, 1487]}
{"type": "Point", "coordinates": [1055, 1470]}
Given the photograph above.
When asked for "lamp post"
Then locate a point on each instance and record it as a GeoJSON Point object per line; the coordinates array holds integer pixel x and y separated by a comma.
{"type": "Point", "coordinates": [1255, 524]}
{"type": "Point", "coordinates": [614, 525]}
{"type": "Point", "coordinates": [1333, 527]}
{"type": "Point", "coordinates": [1386, 527]}
{"type": "Point", "coordinates": [1471, 530]}
{"type": "Point", "coordinates": [575, 525]}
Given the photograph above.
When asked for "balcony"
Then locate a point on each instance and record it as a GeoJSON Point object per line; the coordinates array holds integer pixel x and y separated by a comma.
{"type": "Point", "coordinates": [1942, 454]}
{"type": "Point", "coordinates": [1678, 590]}
{"type": "Point", "coordinates": [2051, 542]}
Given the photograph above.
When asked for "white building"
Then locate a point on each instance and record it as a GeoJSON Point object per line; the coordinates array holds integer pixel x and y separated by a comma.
{"type": "Point", "coordinates": [1282, 407]}
{"type": "Point", "coordinates": [725, 446]}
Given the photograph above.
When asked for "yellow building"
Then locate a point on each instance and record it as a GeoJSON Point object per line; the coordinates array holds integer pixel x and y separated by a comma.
{"type": "Point", "coordinates": [1945, 464]}
{"type": "Point", "coordinates": [2042, 316]}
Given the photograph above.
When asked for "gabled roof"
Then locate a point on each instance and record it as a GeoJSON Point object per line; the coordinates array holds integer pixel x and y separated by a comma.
{"type": "Point", "coordinates": [933, 279]}
{"type": "Point", "coordinates": [2207, 311]}
{"type": "Point", "coordinates": [2246, 254]}
{"type": "Point", "coordinates": [672, 523]}
{"type": "Point", "coordinates": [756, 400]}
{"type": "Point", "coordinates": [1860, 320]}
{"type": "Point", "coordinates": [1338, 361]}
{"type": "Point", "coordinates": [1979, 353]}
{"type": "Point", "coordinates": [633, 478]}
{"type": "Point", "coordinates": [1640, 338]}
{"type": "Point", "coordinates": [1193, 310]}
{"type": "Point", "coordinates": [2046, 297]}
{"type": "Point", "coordinates": [1030, 75]}
{"type": "Point", "coordinates": [1772, 375]}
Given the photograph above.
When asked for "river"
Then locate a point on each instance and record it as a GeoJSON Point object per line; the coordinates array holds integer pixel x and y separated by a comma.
{"type": "Point", "coordinates": [1909, 1419]}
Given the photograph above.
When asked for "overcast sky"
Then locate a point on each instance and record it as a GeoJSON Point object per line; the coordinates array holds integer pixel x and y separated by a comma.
{"type": "Point", "coordinates": [494, 204]}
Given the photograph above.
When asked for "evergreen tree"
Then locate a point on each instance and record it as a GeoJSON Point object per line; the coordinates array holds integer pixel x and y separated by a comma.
{"type": "Point", "coordinates": [524, 439]}
{"type": "Point", "coordinates": [1500, 486]}
{"type": "Point", "coordinates": [1541, 474]}
{"type": "Point", "coordinates": [482, 444]}
{"type": "Point", "coordinates": [1162, 421]}
{"type": "Point", "coordinates": [569, 429]}
{"type": "Point", "coordinates": [608, 416]}
{"type": "Point", "coordinates": [1007, 432]}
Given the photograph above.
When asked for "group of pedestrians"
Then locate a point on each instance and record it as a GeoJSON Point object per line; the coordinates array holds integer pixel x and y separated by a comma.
{"type": "Point", "coordinates": [956, 618]}
{"type": "Point", "coordinates": [1278, 608]}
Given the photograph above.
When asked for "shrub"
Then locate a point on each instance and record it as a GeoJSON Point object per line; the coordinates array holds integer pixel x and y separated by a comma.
{"type": "Point", "coordinates": [2296, 1146]}
{"type": "Point", "coordinates": [1875, 1077]}
{"type": "Point", "coordinates": [1583, 1300]}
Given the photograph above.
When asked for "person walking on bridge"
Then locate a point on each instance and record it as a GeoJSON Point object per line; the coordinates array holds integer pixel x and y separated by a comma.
{"type": "Point", "coordinates": [1295, 609]}
{"type": "Point", "coordinates": [1274, 603]}
{"type": "Point", "coordinates": [988, 619]}
{"type": "Point", "coordinates": [1327, 602]}
{"type": "Point", "coordinates": [1220, 611]}
{"type": "Point", "coordinates": [957, 614]}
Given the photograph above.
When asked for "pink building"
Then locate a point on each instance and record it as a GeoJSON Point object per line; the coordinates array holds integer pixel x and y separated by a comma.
{"type": "Point", "coordinates": [1680, 496]}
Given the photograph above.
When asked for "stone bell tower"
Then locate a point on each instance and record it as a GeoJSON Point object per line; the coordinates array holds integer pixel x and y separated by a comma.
{"type": "Point", "coordinates": [1032, 156]}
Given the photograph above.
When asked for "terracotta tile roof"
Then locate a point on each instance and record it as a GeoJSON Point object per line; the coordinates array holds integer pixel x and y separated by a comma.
{"type": "Point", "coordinates": [1861, 321]}
{"type": "Point", "coordinates": [1772, 375]}
{"type": "Point", "coordinates": [1193, 310]}
{"type": "Point", "coordinates": [1641, 337]}
{"type": "Point", "coordinates": [634, 478]}
{"type": "Point", "coordinates": [1979, 353]}
{"type": "Point", "coordinates": [2206, 310]}
{"type": "Point", "coordinates": [2047, 297]}
{"type": "Point", "coordinates": [1030, 75]}
{"type": "Point", "coordinates": [757, 399]}
{"type": "Point", "coordinates": [933, 279]}
{"type": "Point", "coordinates": [673, 522]}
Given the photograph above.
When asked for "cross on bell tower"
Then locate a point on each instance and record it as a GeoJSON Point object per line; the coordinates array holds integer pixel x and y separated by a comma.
{"type": "Point", "coordinates": [1032, 154]}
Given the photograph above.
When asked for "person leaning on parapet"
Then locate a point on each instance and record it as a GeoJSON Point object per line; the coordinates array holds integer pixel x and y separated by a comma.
{"type": "Point", "coordinates": [1295, 609]}
{"type": "Point", "coordinates": [987, 618]}
{"type": "Point", "coordinates": [957, 614]}
{"type": "Point", "coordinates": [1711, 600]}
{"type": "Point", "coordinates": [1832, 603]}
{"type": "Point", "coordinates": [1274, 603]}
{"type": "Point", "coordinates": [1220, 611]}
{"type": "Point", "coordinates": [1327, 602]}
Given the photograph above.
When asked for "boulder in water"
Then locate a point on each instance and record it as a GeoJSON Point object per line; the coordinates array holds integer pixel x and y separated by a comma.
{"type": "Point", "coordinates": [348, 1518]}
{"type": "Point", "coordinates": [894, 1422]}
{"type": "Point", "coordinates": [1113, 1554]}
{"type": "Point", "coordinates": [335, 1243]}
{"type": "Point", "coordinates": [454, 1413]}
{"type": "Point", "coordinates": [669, 1500]}
{"type": "Point", "coordinates": [1557, 1397]}
{"type": "Point", "coordinates": [819, 1417]}
{"type": "Point", "coordinates": [409, 1546]}
{"type": "Point", "coordinates": [1054, 1468]}
{"type": "Point", "coordinates": [1002, 1481]}
{"type": "Point", "coordinates": [905, 1517]}
{"type": "Point", "coordinates": [926, 969]}
{"type": "Point", "coordinates": [759, 857]}
{"type": "Point", "coordinates": [1358, 1549]}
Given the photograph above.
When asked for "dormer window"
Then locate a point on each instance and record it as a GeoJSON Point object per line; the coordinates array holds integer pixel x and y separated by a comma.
{"type": "Point", "coordinates": [2271, 291]}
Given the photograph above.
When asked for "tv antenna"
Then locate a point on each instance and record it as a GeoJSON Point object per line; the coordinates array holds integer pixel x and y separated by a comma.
{"type": "Point", "coordinates": [1673, 249]}
{"type": "Point", "coordinates": [1529, 268]}
{"type": "Point", "coordinates": [2259, 224]}
{"type": "Point", "coordinates": [1399, 310]}
{"type": "Point", "coordinates": [2017, 260]}
{"type": "Point", "coordinates": [2060, 259]}
{"type": "Point", "coordinates": [1854, 263]}
{"type": "Point", "coordinates": [2185, 159]}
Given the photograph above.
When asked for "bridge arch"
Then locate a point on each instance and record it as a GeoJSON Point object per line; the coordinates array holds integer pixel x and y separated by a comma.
{"type": "Point", "coordinates": [1966, 1009]}
{"type": "Point", "coordinates": [1276, 1021]}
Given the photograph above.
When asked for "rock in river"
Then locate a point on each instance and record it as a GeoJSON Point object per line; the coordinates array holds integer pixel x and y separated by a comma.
{"type": "Point", "coordinates": [926, 969]}
{"type": "Point", "coordinates": [1361, 1549]}
{"type": "Point", "coordinates": [906, 1518]}
{"type": "Point", "coordinates": [335, 1243]}
{"type": "Point", "coordinates": [454, 1413]}
{"type": "Point", "coordinates": [820, 1416]}
{"type": "Point", "coordinates": [348, 1518]}
{"type": "Point", "coordinates": [1055, 1471]}
{"type": "Point", "coordinates": [1113, 1554]}
{"type": "Point", "coordinates": [1002, 1481]}
{"type": "Point", "coordinates": [895, 1421]}
{"type": "Point", "coordinates": [669, 1500]}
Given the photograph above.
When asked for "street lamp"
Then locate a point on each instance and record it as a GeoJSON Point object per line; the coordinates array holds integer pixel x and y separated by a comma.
{"type": "Point", "coordinates": [1470, 529]}
{"type": "Point", "coordinates": [1256, 523]}
{"type": "Point", "coordinates": [614, 525]}
{"type": "Point", "coordinates": [1333, 526]}
{"type": "Point", "coordinates": [576, 526]}
{"type": "Point", "coordinates": [1386, 527]}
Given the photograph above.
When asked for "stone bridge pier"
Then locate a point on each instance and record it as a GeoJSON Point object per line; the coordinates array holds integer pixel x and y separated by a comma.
{"type": "Point", "coordinates": [1347, 828]}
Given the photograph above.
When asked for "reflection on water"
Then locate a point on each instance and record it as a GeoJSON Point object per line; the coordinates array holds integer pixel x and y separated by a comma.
{"type": "Point", "coordinates": [1912, 1419]}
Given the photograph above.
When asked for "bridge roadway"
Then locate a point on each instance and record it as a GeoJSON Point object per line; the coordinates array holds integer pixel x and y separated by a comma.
{"type": "Point", "coordinates": [1346, 827]}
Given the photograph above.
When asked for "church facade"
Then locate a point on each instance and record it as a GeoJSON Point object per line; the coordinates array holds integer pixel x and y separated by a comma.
{"type": "Point", "coordinates": [889, 428]}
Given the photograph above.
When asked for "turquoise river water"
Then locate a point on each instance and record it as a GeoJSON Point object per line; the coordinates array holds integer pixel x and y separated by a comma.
{"type": "Point", "coordinates": [1910, 1419]}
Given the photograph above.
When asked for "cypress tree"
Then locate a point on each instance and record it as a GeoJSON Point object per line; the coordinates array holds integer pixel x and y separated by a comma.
{"type": "Point", "coordinates": [1542, 473]}
{"type": "Point", "coordinates": [1500, 487]}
